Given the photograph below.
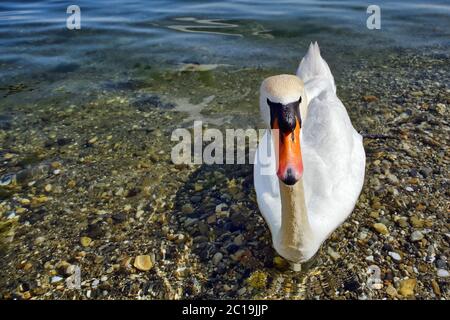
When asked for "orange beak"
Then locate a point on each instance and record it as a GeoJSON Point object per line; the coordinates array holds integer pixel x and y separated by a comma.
{"type": "Point", "coordinates": [289, 159]}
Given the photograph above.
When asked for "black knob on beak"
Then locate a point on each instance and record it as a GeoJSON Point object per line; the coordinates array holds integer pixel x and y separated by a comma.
{"type": "Point", "coordinates": [289, 177]}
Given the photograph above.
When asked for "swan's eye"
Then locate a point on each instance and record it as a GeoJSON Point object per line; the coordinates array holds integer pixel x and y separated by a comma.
{"type": "Point", "coordinates": [286, 114]}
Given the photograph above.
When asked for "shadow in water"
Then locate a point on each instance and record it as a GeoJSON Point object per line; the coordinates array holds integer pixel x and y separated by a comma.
{"type": "Point", "coordinates": [217, 208]}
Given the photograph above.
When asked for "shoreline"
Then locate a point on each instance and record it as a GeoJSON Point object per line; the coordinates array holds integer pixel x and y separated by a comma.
{"type": "Point", "coordinates": [95, 188]}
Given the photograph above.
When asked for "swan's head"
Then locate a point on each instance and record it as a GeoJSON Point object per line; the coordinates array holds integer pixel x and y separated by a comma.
{"type": "Point", "coordinates": [283, 106]}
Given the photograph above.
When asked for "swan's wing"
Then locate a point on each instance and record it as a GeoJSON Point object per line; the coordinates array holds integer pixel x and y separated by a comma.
{"type": "Point", "coordinates": [332, 150]}
{"type": "Point", "coordinates": [315, 73]}
{"type": "Point", "coordinates": [266, 183]}
{"type": "Point", "coordinates": [333, 160]}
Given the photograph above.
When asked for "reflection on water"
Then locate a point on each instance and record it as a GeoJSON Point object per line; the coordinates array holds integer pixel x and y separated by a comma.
{"type": "Point", "coordinates": [205, 24]}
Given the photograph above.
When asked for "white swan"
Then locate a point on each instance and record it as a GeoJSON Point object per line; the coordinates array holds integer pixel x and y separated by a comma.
{"type": "Point", "coordinates": [309, 166]}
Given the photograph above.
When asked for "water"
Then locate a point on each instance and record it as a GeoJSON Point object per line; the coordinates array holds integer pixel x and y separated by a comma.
{"type": "Point", "coordinates": [116, 35]}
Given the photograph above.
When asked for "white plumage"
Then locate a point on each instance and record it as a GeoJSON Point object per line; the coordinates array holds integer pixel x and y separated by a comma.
{"type": "Point", "coordinates": [333, 160]}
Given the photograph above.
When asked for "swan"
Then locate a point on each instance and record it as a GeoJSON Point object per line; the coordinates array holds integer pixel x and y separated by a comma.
{"type": "Point", "coordinates": [310, 163]}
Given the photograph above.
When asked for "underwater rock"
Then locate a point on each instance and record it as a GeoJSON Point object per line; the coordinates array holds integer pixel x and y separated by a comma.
{"type": "Point", "coordinates": [127, 85]}
{"type": "Point", "coordinates": [65, 68]}
{"type": "Point", "coordinates": [143, 263]}
{"type": "Point", "coordinates": [216, 258]}
{"type": "Point", "coordinates": [416, 236]}
{"type": "Point", "coordinates": [442, 273]}
{"type": "Point", "coordinates": [257, 280]}
{"type": "Point", "coordinates": [85, 241]}
{"type": "Point", "coordinates": [381, 228]}
{"type": "Point", "coordinates": [7, 179]}
{"type": "Point", "coordinates": [150, 102]}
{"type": "Point", "coordinates": [5, 122]}
{"type": "Point", "coordinates": [395, 256]}
{"type": "Point", "coordinates": [407, 287]}
{"type": "Point", "coordinates": [197, 67]}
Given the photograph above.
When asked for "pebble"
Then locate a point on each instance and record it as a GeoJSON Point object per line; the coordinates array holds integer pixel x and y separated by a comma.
{"type": "Point", "coordinates": [280, 263]}
{"type": "Point", "coordinates": [416, 236]}
{"type": "Point", "coordinates": [187, 209]}
{"type": "Point", "coordinates": [376, 205]}
{"type": "Point", "coordinates": [72, 184]}
{"type": "Point", "coordinates": [21, 210]}
{"type": "Point", "coordinates": [440, 108]}
{"type": "Point", "coordinates": [85, 241]}
{"type": "Point", "coordinates": [391, 291]}
{"type": "Point", "coordinates": [95, 283]}
{"type": "Point", "coordinates": [216, 258]}
{"type": "Point", "coordinates": [119, 217]}
{"type": "Point", "coordinates": [71, 269]}
{"type": "Point", "coordinates": [194, 67]}
{"type": "Point", "coordinates": [203, 228]}
{"type": "Point", "coordinates": [395, 256]}
{"type": "Point", "coordinates": [6, 179]}
{"type": "Point", "coordinates": [442, 273]}
{"type": "Point", "coordinates": [26, 295]}
{"type": "Point", "coordinates": [143, 263]}
{"type": "Point", "coordinates": [374, 214]}
{"type": "Point", "coordinates": [392, 178]}
{"type": "Point", "coordinates": [198, 187]}
{"type": "Point", "coordinates": [435, 286]}
{"type": "Point", "coordinates": [25, 201]}
{"type": "Point", "coordinates": [27, 266]}
{"type": "Point", "coordinates": [369, 98]}
{"type": "Point", "coordinates": [211, 219]}
{"type": "Point", "coordinates": [56, 279]}
{"type": "Point", "coordinates": [382, 200]}
{"type": "Point", "coordinates": [416, 222]}
{"type": "Point", "coordinates": [333, 254]}
{"type": "Point", "coordinates": [426, 171]}
{"type": "Point", "coordinates": [441, 264]}
{"type": "Point", "coordinates": [363, 235]}
{"type": "Point", "coordinates": [221, 211]}
{"type": "Point", "coordinates": [239, 240]}
{"type": "Point", "coordinates": [181, 272]}
{"type": "Point", "coordinates": [407, 287]}
{"type": "Point", "coordinates": [257, 280]}
{"type": "Point", "coordinates": [380, 228]}
{"type": "Point", "coordinates": [403, 222]}
{"type": "Point", "coordinates": [241, 291]}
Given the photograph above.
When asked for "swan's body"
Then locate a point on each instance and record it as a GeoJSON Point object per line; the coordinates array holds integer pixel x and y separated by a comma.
{"type": "Point", "coordinates": [301, 216]}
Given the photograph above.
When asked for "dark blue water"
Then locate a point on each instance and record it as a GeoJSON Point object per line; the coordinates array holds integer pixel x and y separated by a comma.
{"type": "Point", "coordinates": [116, 35]}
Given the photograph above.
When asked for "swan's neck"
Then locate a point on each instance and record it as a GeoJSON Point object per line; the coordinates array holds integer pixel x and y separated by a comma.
{"type": "Point", "coordinates": [295, 235]}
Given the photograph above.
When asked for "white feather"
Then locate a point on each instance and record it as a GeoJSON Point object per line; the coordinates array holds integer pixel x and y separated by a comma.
{"type": "Point", "coordinates": [332, 152]}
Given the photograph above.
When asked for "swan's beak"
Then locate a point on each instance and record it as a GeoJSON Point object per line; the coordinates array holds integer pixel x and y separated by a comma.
{"type": "Point", "coordinates": [289, 164]}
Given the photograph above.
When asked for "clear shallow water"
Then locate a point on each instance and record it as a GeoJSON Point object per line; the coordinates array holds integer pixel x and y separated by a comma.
{"type": "Point", "coordinates": [101, 102]}
{"type": "Point", "coordinates": [115, 35]}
